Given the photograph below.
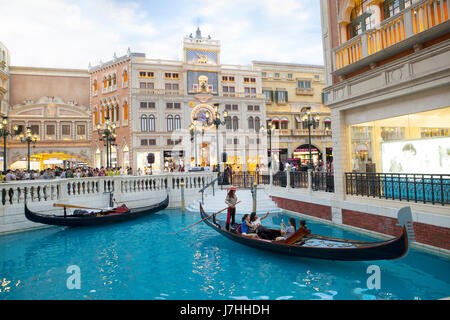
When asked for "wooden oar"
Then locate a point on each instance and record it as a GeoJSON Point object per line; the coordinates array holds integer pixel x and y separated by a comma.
{"type": "Point", "coordinates": [202, 220]}
{"type": "Point", "coordinates": [74, 206]}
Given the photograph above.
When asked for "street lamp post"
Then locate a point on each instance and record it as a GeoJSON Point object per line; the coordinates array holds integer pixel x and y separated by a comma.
{"type": "Point", "coordinates": [108, 136]}
{"type": "Point", "coordinates": [269, 131]}
{"type": "Point", "coordinates": [309, 121]}
{"type": "Point", "coordinates": [29, 138]}
{"type": "Point", "coordinates": [193, 132]}
{"type": "Point", "coordinates": [4, 132]}
{"type": "Point", "coordinates": [217, 123]}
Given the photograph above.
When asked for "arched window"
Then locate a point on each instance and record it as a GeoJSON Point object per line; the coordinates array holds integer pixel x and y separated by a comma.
{"type": "Point", "coordinates": [251, 123]}
{"type": "Point", "coordinates": [114, 79]}
{"type": "Point", "coordinates": [360, 18]}
{"type": "Point", "coordinates": [177, 123]}
{"type": "Point", "coordinates": [105, 82]}
{"type": "Point", "coordinates": [143, 122]}
{"type": "Point", "coordinates": [125, 78]}
{"type": "Point", "coordinates": [117, 112]}
{"type": "Point", "coordinates": [95, 116]}
{"type": "Point", "coordinates": [284, 122]}
{"type": "Point", "coordinates": [228, 123]}
{"type": "Point", "coordinates": [257, 124]}
{"type": "Point", "coordinates": [151, 123]}
{"type": "Point", "coordinates": [109, 81]}
{"type": "Point", "coordinates": [235, 123]}
{"type": "Point", "coordinates": [94, 87]}
{"type": "Point", "coordinates": [169, 123]}
{"type": "Point", "coordinates": [125, 110]}
{"type": "Point", "coordinates": [111, 112]}
{"type": "Point", "coordinates": [103, 114]}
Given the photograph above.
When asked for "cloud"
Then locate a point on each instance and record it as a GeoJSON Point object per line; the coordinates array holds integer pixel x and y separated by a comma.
{"type": "Point", "coordinates": [64, 33]}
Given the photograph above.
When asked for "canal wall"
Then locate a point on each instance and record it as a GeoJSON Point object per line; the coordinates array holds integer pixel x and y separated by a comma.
{"type": "Point", "coordinates": [372, 216]}
{"type": "Point", "coordinates": [134, 191]}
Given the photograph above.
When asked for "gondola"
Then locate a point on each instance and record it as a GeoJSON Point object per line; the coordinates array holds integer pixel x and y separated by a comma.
{"type": "Point", "coordinates": [115, 215]}
{"type": "Point", "coordinates": [305, 244]}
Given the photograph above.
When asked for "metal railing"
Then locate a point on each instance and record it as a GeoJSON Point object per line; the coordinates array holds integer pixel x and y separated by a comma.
{"type": "Point", "coordinates": [211, 184]}
{"type": "Point", "coordinates": [426, 188]}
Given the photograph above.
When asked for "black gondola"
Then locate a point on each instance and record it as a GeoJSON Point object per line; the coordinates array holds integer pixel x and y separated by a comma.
{"type": "Point", "coordinates": [114, 215]}
{"type": "Point", "coordinates": [307, 245]}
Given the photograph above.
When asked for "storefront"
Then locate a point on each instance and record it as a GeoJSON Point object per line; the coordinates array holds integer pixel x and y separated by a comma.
{"type": "Point", "coordinates": [173, 160]}
{"type": "Point", "coordinates": [142, 163]}
{"type": "Point", "coordinates": [302, 153]}
{"type": "Point", "coordinates": [414, 143]}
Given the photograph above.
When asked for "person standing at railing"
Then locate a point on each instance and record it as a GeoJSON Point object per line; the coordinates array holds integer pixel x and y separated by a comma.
{"type": "Point", "coordinates": [231, 201]}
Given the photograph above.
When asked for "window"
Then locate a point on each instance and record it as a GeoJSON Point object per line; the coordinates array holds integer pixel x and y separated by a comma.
{"type": "Point", "coordinates": [250, 80]}
{"type": "Point", "coordinates": [284, 125]}
{"type": "Point", "coordinates": [20, 129]}
{"type": "Point", "coordinates": [234, 107]}
{"type": "Point", "coordinates": [151, 123]}
{"type": "Point", "coordinates": [169, 123]}
{"type": "Point", "coordinates": [144, 142]}
{"type": "Point", "coordinates": [175, 75]}
{"type": "Point", "coordinates": [146, 85]}
{"type": "Point", "coordinates": [281, 96]}
{"type": "Point", "coordinates": [289, 75]}
{"type": "Point", "coordinates": [144, 123]}
{"type": "Point", "coordinates": [257, 124]}
{"type": "Point", "coordinates": [151, 142]}
{"type": "Point", "coordinates": [228, 123]}
{"type": "Point", "coordinates": [151, 105]}
{"type": "Point", "coordinates": [35, 129]}
{"type": "Point", "coordinates": [144, 74]}
{"type": "Point", "coordinates": [267, 95]}
{"type": "Point", "coordinates": [50, 130]}
{"type": "Point", "coordinates": [264, 74]}
{"type": "Point", "coordinates": [316, 77]}
{"type": "Point", "coordinates": [143, 105]}
{"type": "Point", "coordinates": [249, 107]}
{"type": "Point", "coordinates": [251, 123]}
{"type": "Point", "coordinates": [169, 105]}
{"type": "Point", "coordinates": [277, 75]}
{"type": "Point", "coordinates": [228, 107]}
{"type": "Point", "coordinates": [236, 140]}
{"type": "Point", "coordinates": [235, 123]}
{"type": "Point", "coordinates": [81, 129]}
{"type": "Point", "coordinates": [65, 129]}
{"type": "Point", "coordinates": [177, 105]}
{"type": "Point", "coordinates": [177, 123]}
{"type": "Point", "coordinates": [227, 78]}
{"type": "Point", "coordinates": [256, 108]}
{"type": "Point", "coordinates": [360, 18]}
{"type": "Point", "coordinates": [304, 84]}
{"type": "Point", "coordinates": [392, 7]}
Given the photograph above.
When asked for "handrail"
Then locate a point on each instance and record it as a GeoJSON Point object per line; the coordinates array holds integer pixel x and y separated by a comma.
{"type": "Point", "coordinates": [202, 190]}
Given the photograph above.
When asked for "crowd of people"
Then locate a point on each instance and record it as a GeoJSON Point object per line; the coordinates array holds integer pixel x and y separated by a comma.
{"type": "Point", "coordinates": [61, 173]}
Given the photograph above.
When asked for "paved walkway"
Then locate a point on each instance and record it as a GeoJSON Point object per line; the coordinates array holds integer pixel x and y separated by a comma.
{"type": "Point", "coordinates": [217, 202]}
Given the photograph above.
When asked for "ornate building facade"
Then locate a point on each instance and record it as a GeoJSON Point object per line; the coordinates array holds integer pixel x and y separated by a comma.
{"type": "Point", "coordinates": [288, 90]}
{"type": "Point", "coordinates": [163, 98]}
{"type": "Point", "coordinates": [54, 104]}
{"type": "Point", "coordinates": [4, 79]}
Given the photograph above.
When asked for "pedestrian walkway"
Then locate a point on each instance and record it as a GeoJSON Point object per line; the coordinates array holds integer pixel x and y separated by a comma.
{"type": "Point", "coordinates": [217, 202]}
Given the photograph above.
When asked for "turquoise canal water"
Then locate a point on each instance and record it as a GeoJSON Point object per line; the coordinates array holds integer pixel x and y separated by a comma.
{"type": "Point", "coordinates": [140, 260]}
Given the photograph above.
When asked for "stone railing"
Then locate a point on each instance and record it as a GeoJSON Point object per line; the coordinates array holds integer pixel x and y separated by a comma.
{"type": "Point", "coordinates": [69, 190]}
{"type": "Point", "coordinates": [421, 16]}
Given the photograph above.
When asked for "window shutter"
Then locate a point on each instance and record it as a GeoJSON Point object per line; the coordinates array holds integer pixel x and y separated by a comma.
{"type": "Point", "coordinates": [286, 96]}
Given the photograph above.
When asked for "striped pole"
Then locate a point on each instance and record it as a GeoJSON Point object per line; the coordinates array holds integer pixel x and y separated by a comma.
{"type": "Point", "coordinates": [183, 207]}
{"type": "Point", "coordinates": [254, 196]}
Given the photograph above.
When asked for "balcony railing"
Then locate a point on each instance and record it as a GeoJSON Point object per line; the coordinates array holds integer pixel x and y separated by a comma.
{"type": "Point", "coordinates": [305, 91]}
{"type": "Point", "coordinates": [413, 20]}
{"type": "Point", "coordinates": [426, 188]}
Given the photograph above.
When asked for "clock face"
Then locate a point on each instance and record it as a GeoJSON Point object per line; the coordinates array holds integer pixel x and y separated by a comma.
{"type": "Point", "coordinates": [203, 114]}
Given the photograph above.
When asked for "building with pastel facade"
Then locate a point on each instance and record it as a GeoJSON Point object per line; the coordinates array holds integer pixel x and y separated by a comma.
{"type": "Point", "coordinates": [288, 90]}
{"type": "Point", "coordinates": [153, 103]}
{"type": "Point", "coordinates": [54, 104]}
{"type": "Point", "coordinates": [4, 79]}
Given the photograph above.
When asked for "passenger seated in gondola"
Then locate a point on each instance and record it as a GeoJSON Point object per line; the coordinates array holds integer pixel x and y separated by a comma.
{"type": "Point", "coordinates": [286, 232]}
{"type": "Point", "coordinates": [245, 226]}
{"type": "Point", "coordinates": [261, 231]}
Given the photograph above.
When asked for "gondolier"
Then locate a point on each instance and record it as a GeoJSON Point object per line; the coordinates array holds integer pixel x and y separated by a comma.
{"type": "Point", "coordinates": [231, 201]}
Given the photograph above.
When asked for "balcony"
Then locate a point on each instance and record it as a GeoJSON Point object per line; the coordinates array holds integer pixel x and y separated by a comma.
{"type": "Point", "coordinates": [423, 21]}
{"type": "Point", "coordinates": [305, 91]}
